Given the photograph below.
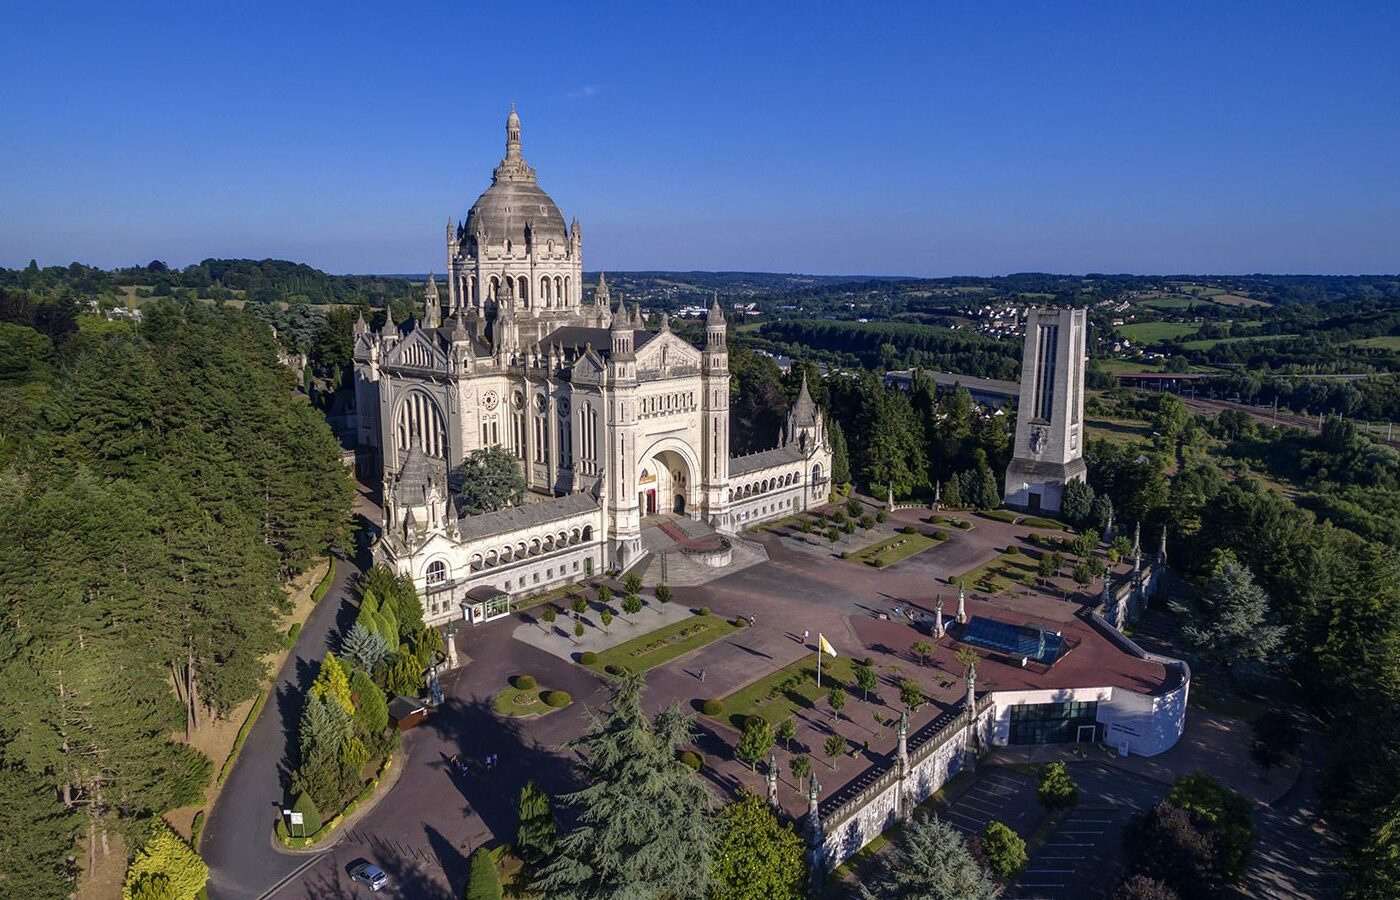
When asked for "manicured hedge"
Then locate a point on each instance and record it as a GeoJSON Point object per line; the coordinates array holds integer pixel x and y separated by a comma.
{"type": "Point", "coordinates": [325, 584]}
{"type": "Point", "coordinates": [587, 658]}
{"type": "Point", "coordinates": [242, 736]}
{"type": "Point", "coordinates": [558, 699]}
{"type": "Point", "coordinates": [703, 611]}
{"type": "Point", "coordinates": [693, 759]}
{"type": "Point", "coordinates": [615, 669]}
{"type": "Point", "coordinates": [523, 682]}
{"type": "Point", "coordinates": [711, 708]}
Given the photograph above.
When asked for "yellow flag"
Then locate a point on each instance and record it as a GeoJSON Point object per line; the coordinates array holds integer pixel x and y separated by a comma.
{"type": "Point", "coordinates": [825, 645]}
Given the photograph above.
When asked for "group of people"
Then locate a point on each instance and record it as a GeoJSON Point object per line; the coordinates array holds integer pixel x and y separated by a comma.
{"type": "Point", "coordinates": [459, 762]}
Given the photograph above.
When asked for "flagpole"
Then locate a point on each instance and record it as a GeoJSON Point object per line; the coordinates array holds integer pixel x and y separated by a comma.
{"type": "Point", "coordinates": [819, 660]}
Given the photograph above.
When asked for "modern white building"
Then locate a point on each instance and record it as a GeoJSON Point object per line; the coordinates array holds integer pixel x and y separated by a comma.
{"type": "Point", "coordinates": [610, 421]}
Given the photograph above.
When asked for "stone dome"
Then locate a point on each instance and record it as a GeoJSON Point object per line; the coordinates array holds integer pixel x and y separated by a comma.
{"type": "Point", "coordinates": [514, 203]}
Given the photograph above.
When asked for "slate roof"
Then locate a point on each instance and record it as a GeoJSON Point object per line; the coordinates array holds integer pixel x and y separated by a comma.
{"type": "Point", "coordinates": [765, 459]}
{"type": "Point", "coordinates": [528, 515]}
{"type": "Point", "coordinates": [574, 337]}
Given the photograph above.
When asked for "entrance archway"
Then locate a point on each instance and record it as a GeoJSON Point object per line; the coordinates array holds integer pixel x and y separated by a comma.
{"type": "Point", "coordinates": [666, 484]}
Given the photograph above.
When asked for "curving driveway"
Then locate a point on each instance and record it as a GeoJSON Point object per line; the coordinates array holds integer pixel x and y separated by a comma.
{"type": "Point", "coordinates": [237, 841]}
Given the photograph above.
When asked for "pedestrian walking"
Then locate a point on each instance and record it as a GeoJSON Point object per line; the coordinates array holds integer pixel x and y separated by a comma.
{"type": "Point", "coordinates": [806, 636]}
{"type": "Point", "coordinates": [702, 676]}
{"type": "Point", "coordinates": [750, 621]}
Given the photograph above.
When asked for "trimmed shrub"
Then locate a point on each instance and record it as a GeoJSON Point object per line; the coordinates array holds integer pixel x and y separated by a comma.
{"type": "Point", "coordinates": [615, 669]}
{"type": "Point", "coordinates": [558, 699]}
{"type": "Point", "coordinates": [754, 721]}
{"type": "Point", "coordinates": [908, 529]}
{"type": "Point", "coordinates": [703, 611]}
{"type": "Point", "coordinates": [311, 816]}
{"type": "Point", "coordinates": [711, 708]}
{"type": "Point", "coordinates": [693, 759]}
{"type": "Point", "coordinates": [739, 622]}
{"type": "Point", "coordinates": [868, 661]}
{"type": "Point", "coordinates": [587, 658]}
{"type": "Point", "coordinates": [964, 524]}
{"type": "Point", "coordinates": [940, 535]}
{"type": "Point", "coordinates": [523, 682]}
{"type": "Point", "coordinates": [878, 562]}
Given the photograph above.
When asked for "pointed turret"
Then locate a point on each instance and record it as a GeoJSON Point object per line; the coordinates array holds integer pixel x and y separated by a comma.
{"type": "Point", "coordinates": [714, 326]}
{"type": "Point", "coordinates": [361, 326]}
{"type": "Point", "coordinates": [619, 322]}
{"type": "Point", "coordinates": [389, 330]}
{"type": "Point", "coordinates": [601, 297]}
{"type": "Point", "coordinates": [805, 408]}
{"type": "Point", "coordinates": [432, 306]}
{"type": "Point", "coordinates": [665, 322]}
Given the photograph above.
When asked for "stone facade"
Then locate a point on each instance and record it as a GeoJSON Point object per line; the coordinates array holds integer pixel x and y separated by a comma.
{"type": "Point", "coordinates": [1049, 445]}
{"type": "Point", "coordinates": [610, 420]}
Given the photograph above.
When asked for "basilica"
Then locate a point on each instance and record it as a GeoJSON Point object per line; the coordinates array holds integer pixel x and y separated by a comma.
{"type": "Point", "coordinates": [616, 426]}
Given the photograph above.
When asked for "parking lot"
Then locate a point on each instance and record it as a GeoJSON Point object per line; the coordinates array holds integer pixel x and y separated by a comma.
{"type": "Point", "coordinates": [1006, 795]}
{"type": "Point", "coordinates": [1082, 856]}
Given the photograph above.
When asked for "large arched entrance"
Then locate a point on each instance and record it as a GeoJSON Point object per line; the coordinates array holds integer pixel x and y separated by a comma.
{"type": "Point", "coordinates": [666, 484]}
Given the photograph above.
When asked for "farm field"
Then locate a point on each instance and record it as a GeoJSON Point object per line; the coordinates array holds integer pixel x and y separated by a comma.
{"type": "Point", "coordinates": [1383, 342]}
{"type": "Point", "coordinates": [1156, 332]}
{"type": "Point", "coordinates": [1207, 344]}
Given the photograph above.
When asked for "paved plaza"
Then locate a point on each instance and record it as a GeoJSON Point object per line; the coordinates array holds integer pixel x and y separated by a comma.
{"type": "Point", "coordinates": [424, 829]}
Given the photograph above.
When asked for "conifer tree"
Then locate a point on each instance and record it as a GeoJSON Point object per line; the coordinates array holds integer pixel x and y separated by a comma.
{"type": "Point", "coordinates": [36, 837]}
{"type": "Point", "coordinates": [332, 684]}
{"type": "Point", "coordinates": [165, 867]}
{"type": "Point", "coordinates": [930, 860]}
{"type": "Point", "coordinates": [483, 881]}
{"type": "Point", "coordinates": [645, 825]}
{"type": "Point", "coordinates": [536, 836]}
{"type": "Point", "coordinates": [371, 707]}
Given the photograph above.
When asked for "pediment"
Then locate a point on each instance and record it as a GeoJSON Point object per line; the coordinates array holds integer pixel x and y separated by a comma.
{"type": "Point", "coordinates": [666, 352]}
{"type": "Point", "coordinates": [589, 364]}
{"type": "Point", "coordinates": [419, 351]}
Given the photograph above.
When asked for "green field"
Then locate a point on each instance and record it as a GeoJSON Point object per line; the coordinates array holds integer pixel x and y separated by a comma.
{"type": "Point", "coordinates": [1156, 332]}
{"type": "Point", "coordinates": [1171, 303]}
{"type": "Point", "coordinates": [1384, 342]}
{"type": "Point", "coordinates": [1207, 344]}
{"type": "Point", "coordinates": [1118, 431]}
{"type": "Point", "coordinates": [788, 690]}
{"type": "Point", "coordinates": [1001, 574]}
{"type": "Point", "coordinates": [892, 550]}
{"type": "Point", "coordinates": [664, 644]}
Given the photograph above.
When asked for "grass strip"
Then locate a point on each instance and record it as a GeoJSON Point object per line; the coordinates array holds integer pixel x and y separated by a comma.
{"type": "Point", "coordinates": [658, 647]}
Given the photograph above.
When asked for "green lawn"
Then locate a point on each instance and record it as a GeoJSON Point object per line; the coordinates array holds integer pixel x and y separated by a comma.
{"type": "Point", "coordinates": [1156, 332]}
{"type": "Point", "coordinates": [547, 596]}
{"type": "Point", "coordinates": [891, 550]}
{"type": "Point", "coordinates": [1207, 344]}
{"type": "Point", "coordinates": [1000, 515]}
{"type": "Point", "coordinates": [784, 692]}
{"type": "Point", "coordinates": [516, 703]}
{"type": "Point", "coordinates": [1384, 342]}
{"type": "Point", "coordinates": [1171, 304]}
{"type": "Point", "coordinates": [1118, 431]}
{"type": "Point", "coordinates": [1043, 522]}
{"type": "Point", "coordinates": [1003, 573]}
{"type": "Point", "coordinates": [664, 644]}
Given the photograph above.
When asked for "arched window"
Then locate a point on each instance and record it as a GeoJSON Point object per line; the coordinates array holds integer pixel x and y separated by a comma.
{"type": "Point", "coordinates": [587, 533]}
{"type": "Point", "coordinates": [560, 292]}
{"type": "Point", "coordinates": [419, 420]}
{"type": "Point", "coordinates": [437, 572]}
{"type": "Point", "coordinates": [495, 286]}
{"type": "Point", "coordinates": [546, 294]}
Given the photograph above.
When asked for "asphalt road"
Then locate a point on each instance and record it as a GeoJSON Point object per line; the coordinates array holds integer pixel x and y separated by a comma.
{"type": "Point", "coordinates": [237, 842]}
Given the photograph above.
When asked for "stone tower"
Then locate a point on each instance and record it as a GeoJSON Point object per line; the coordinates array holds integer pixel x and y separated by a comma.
{"type": "Point", "coordinates": [1050, 421]}
{"type": "Point", "coordinates": [714, 370]}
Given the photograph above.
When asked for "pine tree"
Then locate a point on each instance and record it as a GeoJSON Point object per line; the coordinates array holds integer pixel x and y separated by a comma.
{"type": "Point", "coordinates": [757, 858]}
{"type": "Point", "coordinates": [840, 459]}
{"type": "Point", "coordinates": [1233, 628]}
{"type": "Point", "coordinates": [167, 861]}
{"type": "Point", "coordinates": [987, 496]}
{"type": "Point", "coordinates": [364, 645]}
{"type": "Point", "coordinates": [491, 480]}
{"type": "Point", "coordinates": [483, 881]}
{"type": "Point", "coordinates": [331, 683]}
{"type": "Point", "coordinates": [535, 838]}
{"type": "Point", "coordinates": [645, 826]}
{"type": "Point", "coordinates": [930, 860]}
{"type": "Point", "coordinates": [952, 492]}
{"type": "Point", "coordinates": [36, 837]}
{"type": "Point", "coordinates": [371, 707]}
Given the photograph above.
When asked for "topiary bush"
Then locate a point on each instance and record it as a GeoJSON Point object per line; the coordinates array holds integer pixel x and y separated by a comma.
{"type": "Point", "coordinates": [1013, 550]}
{"type": "Point", "coordinates": [908, 529]}
{"type": "Point", "coordinates": [754, 721]}
{"type": "Point", "coordinates": [739, 622]}
{"type": "Point", "coordinates": [693, 759]}
{"type": "Point", "coordinates": [523, 682]}
{"type": "Point", "coordinates": [703, 611]}
{"type": "Point", "coordinates": [615, 669]}
{"type": "Point", "coordinates": [587, 658]}
{"type": "Point", "coordinates": [558, 699]}
{"type": "Point", "coordinates": [711, 708]}
{"type": "Point", "coordinates": [940, 535]}
{"type": "Point", "coordinates": [964, 524]}
{"type": "Point", "coordinates": [878, 562]}
{"type": "Point", "coordinates": [868, 661]}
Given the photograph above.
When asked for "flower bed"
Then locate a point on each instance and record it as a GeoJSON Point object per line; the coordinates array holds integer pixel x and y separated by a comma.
{"type": "Point", "coordinates": [664, 644]}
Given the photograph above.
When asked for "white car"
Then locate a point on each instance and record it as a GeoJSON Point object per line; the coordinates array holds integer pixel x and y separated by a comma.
{"type": "Point", "coordinates": [367, 873]}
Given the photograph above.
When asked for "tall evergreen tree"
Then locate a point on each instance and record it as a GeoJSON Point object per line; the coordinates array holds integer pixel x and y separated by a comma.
{"type": "Point", "coordinates": [1233, 629]}
{"type": "Point", "coordinates": [536, 836]}
{"type": "Point", "coordinates": [930, 862]}
{"type": "Point", "coordinates": [645, 821]}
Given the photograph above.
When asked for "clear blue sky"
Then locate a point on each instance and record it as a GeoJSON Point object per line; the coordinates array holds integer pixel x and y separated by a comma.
{"type": "Point", "coordinates": [924, 138]}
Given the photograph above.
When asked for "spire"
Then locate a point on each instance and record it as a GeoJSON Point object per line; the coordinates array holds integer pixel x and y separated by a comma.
{"type": "Point", "coordinates": [512, 134]}
{"type": "Point", "coordinates": [432, 308]}
{"type": "Point", "coordinates": [938, 618]}
{"type": "Point", "coordinates": [637, 320]}
{"type": "Point", "coordinates": [716, 315]}
{"type": "Point", "coordinates": [962, 604]}
{"type": "Point", "coordinates": [804, 409]}
{"type": "Point", "coordinates": [619, 322]}
{"type": "Point", "coordinates": [361, 327]}
{"type": "Point", "coordinates": [389, 329]}
{"type": "Point", "coordinates": [665, 322]}
{"type": "Point", "coordinates": [601, 297]}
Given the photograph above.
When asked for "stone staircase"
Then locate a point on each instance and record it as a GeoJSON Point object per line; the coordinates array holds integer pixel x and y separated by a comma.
{"type": "Point", "coordinates": [667, 563]}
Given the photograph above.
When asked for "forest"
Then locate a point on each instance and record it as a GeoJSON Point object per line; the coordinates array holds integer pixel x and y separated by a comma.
{"type": "Point", "coordinates": [158, 485]}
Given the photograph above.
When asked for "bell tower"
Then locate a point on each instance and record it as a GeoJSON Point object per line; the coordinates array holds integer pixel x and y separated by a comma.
{"type": "Point", "coordinates": [1049, 449]}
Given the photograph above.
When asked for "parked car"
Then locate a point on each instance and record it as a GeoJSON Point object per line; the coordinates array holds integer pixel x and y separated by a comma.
{"type": "Point", "coordinates": [362, 871]}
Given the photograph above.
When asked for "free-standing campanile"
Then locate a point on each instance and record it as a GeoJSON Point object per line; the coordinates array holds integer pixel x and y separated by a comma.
{"type": "Point", "coordinates": [1050, 421]}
